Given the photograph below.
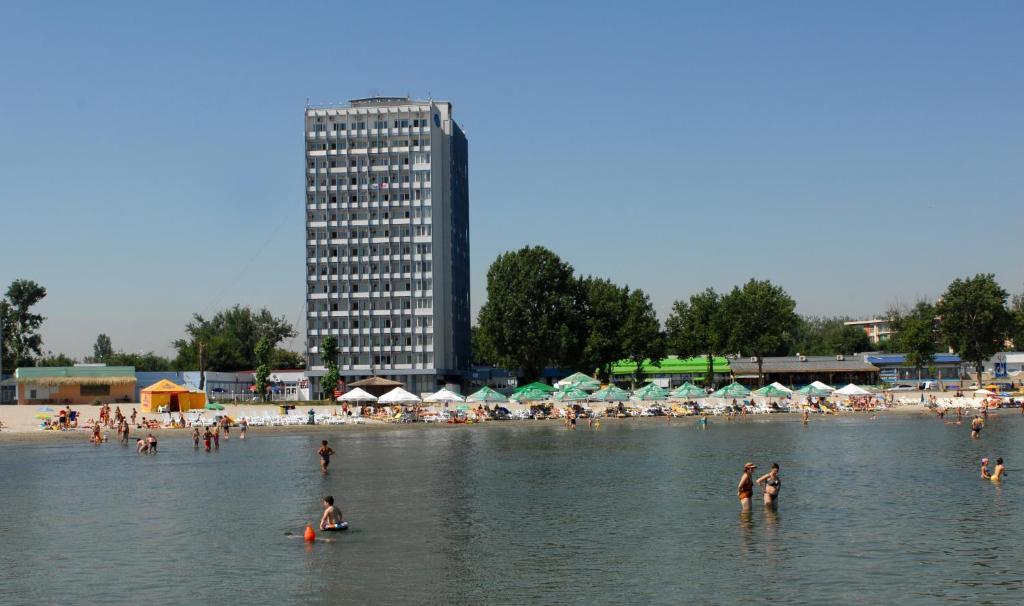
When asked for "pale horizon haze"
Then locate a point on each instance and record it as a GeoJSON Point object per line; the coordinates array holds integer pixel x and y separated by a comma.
{"type": "Point", "coordinates": [857, 154]}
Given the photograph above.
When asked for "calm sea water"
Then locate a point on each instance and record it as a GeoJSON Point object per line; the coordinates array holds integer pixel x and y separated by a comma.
{"type": "Point", "coordinates": [872, 512]}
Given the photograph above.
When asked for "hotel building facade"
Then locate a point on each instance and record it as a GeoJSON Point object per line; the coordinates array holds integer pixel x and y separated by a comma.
{"type": "Point", "coordinates": [387, 241]}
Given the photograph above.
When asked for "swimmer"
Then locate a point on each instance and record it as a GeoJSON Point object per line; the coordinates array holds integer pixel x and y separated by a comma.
{"type": "Point", "coordinates": [985, 475]}
{"type": "Point", "coordinates": [325, 453]}
{"type": "Point", "coordinates": [999, 472]}
{"type": "Point", "coordinates": [976, 425]}
{"type": "Point", "coordinates": [772, 484]}
{"type": "Point", "coordinates": [745, 489]}
{"type": "Point", "coordinates": [331, 520]}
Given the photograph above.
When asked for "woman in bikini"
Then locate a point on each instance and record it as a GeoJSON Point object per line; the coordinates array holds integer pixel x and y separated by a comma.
{"type": "Point", "coordinates": [772, 484]}
{"type": "Point", "coordinates": [745, 489]}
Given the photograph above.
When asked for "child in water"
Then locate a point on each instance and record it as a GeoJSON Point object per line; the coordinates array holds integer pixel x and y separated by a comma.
{"type": "Point", "coordinates": [985, 475]}
{"type": "Point", "coordinates": [331, 520]}
{"type": "Point", "coordinates": [325, 453]}
{"type": "Point", "coordinates": [195, 438]}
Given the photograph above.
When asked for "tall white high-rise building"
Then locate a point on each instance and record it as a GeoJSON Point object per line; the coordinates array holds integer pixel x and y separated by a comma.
{"type": "Point", "coordinates": [387, 241]}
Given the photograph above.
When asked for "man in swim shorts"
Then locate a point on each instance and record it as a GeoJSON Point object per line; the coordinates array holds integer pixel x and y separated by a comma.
{"type": "Point", "coordinates": [976, 425]}
{"type": "Point", "coordinates": [331, 520]}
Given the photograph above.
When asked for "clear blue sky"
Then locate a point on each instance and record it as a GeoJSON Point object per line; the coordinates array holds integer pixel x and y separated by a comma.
{"type": "Point", "coordinates": [856, 153]}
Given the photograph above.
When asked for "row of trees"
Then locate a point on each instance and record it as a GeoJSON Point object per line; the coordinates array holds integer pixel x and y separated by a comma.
{"type": "Point", "coordinates": [238, 338]}
{"type": "Point", "coordinates": [539, 313]}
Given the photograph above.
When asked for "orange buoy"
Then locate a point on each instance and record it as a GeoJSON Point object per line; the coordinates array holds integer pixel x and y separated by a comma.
{"type": "Point", "coordinates": [309, 535]}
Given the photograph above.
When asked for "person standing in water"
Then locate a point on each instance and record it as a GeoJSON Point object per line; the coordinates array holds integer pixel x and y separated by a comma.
{"type": "Point", "coordinates": [976, 425]}
{"type": "Point", "coordinates": [216, 437]}
{"type": "Point", "coordinates": [242, 426]}
{"type": "Point", "coordinates": [999, 472]}
{"type": "Point", "coordinates": [207, 436]}
{"type": "Point", "coordinates": [807, 416]}
{"type": "Point", "coordinates": [745, 489]}
{"type": "Point", "coordinates": [772, 484]}
{"type": "Point", "coordinates": [226, 425]}
{"type": "Point", "coordinates": [985, 475]}
{"type": "Point", "coordinates": [195, 438]}
{"type": "Point", "coordinates": [325, 453]}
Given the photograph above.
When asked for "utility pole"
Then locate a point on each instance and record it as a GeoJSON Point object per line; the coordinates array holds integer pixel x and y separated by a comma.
{"type": "Point", "coordinates": [202, 367]}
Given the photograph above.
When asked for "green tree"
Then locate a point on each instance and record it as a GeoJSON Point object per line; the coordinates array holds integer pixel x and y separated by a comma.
{"type": "Point", "coordinates": [143, 362]}
{"type": "Point", "coordinates": [21, 341]}
{"type": "Point", "coordinates": [606, 305]}
{"type": "Point", "coordinates": [695, 328]}
{"type": "Point", "coordinates": [227, 341]}
{"type": "Point", "coordinates": [641, 335]}
{"type": "Point", "coordinates": [329, 357]}
{"type": "Point", "coordinates": [51, 359]}
{"type": "Point", "coordinates": [1017, 309]}
{"type": "Point", "coordinates": [284, 358]}
{"type": "Point", "coordinates": [262, 352]}
{"type": "Point", "coordinates": [761, 320]}
{"type": "Point", "coordinates": [974, 318]}
{"type": "Point", "coordinates": [102, 348]}
{"type": "Point", "coordinates": [818, 336]}
{"type": "Point", "coordinates": [533, 314]}
{"type": "Point", "coordinates": [482, 353]}
{"type": "Point", "coordinates": [915, 334]}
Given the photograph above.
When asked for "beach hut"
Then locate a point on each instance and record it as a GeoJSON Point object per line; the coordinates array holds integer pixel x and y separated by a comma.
{"type": "Point", "coordinates": [175, 397]}
{"type": "Point", "coordinates": [375, 385]}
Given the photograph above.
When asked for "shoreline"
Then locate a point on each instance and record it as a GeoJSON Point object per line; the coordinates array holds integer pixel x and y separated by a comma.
{"type": "Point", "coordinates": [31, 433]}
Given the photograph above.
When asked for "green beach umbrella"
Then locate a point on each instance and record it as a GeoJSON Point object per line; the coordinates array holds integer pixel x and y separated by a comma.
{"type": "Point", "coordinates": [486, 394]}
{"type": "Point", "coordinates": [610, 394]}
{"type": "Point", "coordinates": [688, 390]}
{"type": "Point", "coordinates": [571, 394]}
{"type": "Point", "coordinates": [536, 385]}
{"type": "Point", "coordinates": [732, 390]}
{"type": "Point", "coordinates": [530, 395]}
{"type": "Point", "coordinates": [578, 379]}
{"type": "Point", "coordinates": [771, 391]}
{"type": "Point", "coordinates": [651, 392]}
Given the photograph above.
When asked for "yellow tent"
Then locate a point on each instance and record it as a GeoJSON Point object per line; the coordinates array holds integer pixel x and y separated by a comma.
{"type": "Point", "coordinates": [175, 397]}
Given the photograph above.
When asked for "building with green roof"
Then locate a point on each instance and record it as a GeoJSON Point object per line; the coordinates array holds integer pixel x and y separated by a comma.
{"type": "Point", "coordinates": [673, 370]}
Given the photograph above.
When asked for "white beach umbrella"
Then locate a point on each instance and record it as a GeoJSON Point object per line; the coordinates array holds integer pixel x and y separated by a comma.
{"type": "Point", "coordinates": [444, 395]}
{"type": "Point", "coordinates": [398, 396]}
{"type": "Point", "coordinates": [357, 395]}
{"type": "Point", "coordinates": [821, 385]}
{"type": "Point", "coordinates": [852, 390]}
{"type": "Point", "coordinates": [781, 387]}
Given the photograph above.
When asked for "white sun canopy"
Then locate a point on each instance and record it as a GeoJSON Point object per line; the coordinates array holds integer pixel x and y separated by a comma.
{"type": "Point", "coordinates": [357, 395]}
{"type": "Point", "coordinates": [852, 390]}
{"type": "Point", "coordinates": [445, 395]}
{"type": "Point", "coordinates": [821, 385]}
{"type": "Point", "coordinates": [781, 387]}
{"type": "Point", "coordinates": [398, 396]}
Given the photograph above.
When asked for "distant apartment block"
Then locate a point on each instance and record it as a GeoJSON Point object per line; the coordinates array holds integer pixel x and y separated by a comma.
{"type": "Point", "coordinates": [876, 330]}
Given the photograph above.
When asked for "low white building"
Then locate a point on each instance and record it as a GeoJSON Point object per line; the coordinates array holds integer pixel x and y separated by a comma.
{"type": "Point", "coordinates": [1006, 365]}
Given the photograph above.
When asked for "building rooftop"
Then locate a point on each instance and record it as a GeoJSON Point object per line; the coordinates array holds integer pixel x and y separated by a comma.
{"type": "Point", "coordinates": [902, 358]}
{"type": "Point", "coordinates": [673, 365]}
{"type": "Point", "coordinates": [799, 364]}
{"type": "Point", "coordinates": [59, 375]}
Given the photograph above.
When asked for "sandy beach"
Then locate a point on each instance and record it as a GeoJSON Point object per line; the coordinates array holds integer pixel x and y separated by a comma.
{"type": "Point", "coordinates": [21, 422]}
